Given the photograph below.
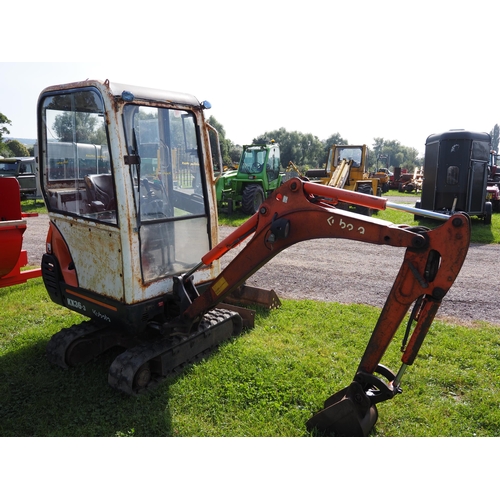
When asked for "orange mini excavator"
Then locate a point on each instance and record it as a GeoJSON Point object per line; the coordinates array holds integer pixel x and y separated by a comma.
{"type": "Point", "coordinates": [128, 179]}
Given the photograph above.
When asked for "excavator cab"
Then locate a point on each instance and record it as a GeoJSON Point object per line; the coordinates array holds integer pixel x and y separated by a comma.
{"type": "Point", "coordinates": [123, 173]}
{"type": "Point", "coordinates": [356, 154]}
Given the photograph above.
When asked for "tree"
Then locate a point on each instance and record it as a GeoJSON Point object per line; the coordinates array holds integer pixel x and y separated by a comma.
{"type": "Point", "coordinates": [17, 148]}
{"type": "Point", "coordinates": [307, 151]}
{"type": "Point", "coordinates": [495, 137]}
{"type": "Point", "coordinates": [235, 152]}
{"type": "Point", "coordinates": [394, 154]}
{"type": "Point", "coordinates": [4, 149]}
{"type": "Point", "coordinates": [83, 127]}
{"type": "Point", "coordinates": [378, 144]}
{"type": "Point", "coordinates": [225, 145]}
{"type": "Point", "coordinates": [3, 129]}
{"type": "Point", "coordinates": [304, 150]}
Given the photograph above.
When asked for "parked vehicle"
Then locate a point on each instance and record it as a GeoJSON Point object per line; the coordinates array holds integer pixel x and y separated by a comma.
{"type": "Point", "coordinates": [409, 183]}
{"type": "Point", "coordinates": [493, 189]}
{"type": "Point", "coordinates": [23, 169]}
{"type": "Point", "coordinates": [12, 227]}
{"type": "Point", "coordinates": [494, 168]}
{"type": "Point", "coordinates": [258, 174]}
{"type": "Point", "coordinates": [346, 169]}
{"type": "Point", "coordinates": [395, 178]}
{"type": "Point", "coordinates": [456, 171]}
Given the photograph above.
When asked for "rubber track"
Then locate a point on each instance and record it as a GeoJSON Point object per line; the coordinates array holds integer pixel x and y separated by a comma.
{"type": "Point", "coordinates": [125, 366]}
{"type": "Point", "coordinates": [59, 343]}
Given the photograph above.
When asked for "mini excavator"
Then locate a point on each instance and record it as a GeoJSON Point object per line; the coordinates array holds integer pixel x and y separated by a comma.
{"type": "Point", "coordinates": [128, 177]}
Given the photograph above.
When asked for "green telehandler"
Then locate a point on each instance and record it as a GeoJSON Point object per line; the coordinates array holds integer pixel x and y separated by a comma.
{"type": "Point", "coordinates": [258, 174]}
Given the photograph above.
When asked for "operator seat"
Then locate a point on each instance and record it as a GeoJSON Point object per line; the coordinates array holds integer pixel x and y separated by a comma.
{"type": "Point", "coordinates": [100, 192]}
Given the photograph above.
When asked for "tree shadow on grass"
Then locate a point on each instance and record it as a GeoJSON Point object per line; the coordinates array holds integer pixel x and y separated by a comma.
{"type": "Point", "coordinates": [39, 399]}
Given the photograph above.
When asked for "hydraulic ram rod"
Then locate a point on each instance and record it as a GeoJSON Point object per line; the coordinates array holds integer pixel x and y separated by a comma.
{"type": "Point", "coordinates": [367, 200]}
{"type": "Point", "coordinates": [418, 211]}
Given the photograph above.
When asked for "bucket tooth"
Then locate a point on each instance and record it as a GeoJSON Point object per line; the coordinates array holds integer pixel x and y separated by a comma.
{"type": "Point", "coordinates": [348, 413]}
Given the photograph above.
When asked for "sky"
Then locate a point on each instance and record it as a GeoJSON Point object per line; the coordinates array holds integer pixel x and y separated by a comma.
{"type": "Point", "coordinates": [363, 69]}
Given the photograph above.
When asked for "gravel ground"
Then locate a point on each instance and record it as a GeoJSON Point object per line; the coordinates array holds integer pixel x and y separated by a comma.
{"type": "Point", "coordinates": [345, 271]}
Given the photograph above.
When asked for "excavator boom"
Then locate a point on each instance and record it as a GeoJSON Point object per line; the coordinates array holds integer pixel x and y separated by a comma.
{"type": "Point", "coordinates": [300, 211]}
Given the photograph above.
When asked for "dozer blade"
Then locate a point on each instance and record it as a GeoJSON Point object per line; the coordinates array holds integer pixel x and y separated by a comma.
{"type": "Point", "coordinates": [247, 315]}
{"type": "Point", "coordinates": [251, 295]}
{"type": "Point", "coordinates": [348, 413]}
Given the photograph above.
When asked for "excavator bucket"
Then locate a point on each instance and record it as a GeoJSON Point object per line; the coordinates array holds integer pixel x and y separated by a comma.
{"type": "Point", "coordinates": [348, 413]}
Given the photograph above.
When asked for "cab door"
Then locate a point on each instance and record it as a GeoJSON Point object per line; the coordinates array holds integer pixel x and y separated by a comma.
{"type": "Point", "coordinates": [26, 177]}
{"type": "Point", "coordinates": [78, 185]}
{"type": "Point", "coordinates": [274, 173]}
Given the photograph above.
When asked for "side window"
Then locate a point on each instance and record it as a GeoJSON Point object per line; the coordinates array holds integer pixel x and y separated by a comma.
{"type": "Point", "coordinates": [356, 156]}
{"type": "Point", "coordinates": [480, 151]}
{"type": "Point", "coordinates": [26, 168]}
{"type": "Point", "coordinates": [77, 174]}
{"type": "Point", "coordinates": [452, 175]}
{"type": "Point", "coordinates": [273, 165]}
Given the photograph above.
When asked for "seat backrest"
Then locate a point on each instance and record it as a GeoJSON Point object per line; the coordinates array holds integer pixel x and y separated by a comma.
{"type": "Point", "coordinates": [100, 188]}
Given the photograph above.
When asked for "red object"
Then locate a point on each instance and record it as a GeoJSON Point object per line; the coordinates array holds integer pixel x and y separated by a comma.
{"type": "Point", "coordinates": [12, 227]}
{"type": "Point", "coordinates": [430, 266]}
{"type": "Point", "coordinates": [16, 276]}
{"type": "Point", "coordinates": [11, 242]}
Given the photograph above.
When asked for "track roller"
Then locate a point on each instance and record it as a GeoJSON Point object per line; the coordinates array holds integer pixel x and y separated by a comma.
{"type": "Point", "coordinates": [140, 368]}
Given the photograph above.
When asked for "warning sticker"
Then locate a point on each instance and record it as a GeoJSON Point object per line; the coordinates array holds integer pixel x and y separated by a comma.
{"type": "Point", "coordinates": [220, 286]}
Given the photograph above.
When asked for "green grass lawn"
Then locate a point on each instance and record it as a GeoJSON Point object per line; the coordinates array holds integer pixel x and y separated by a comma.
{"type": "Point", "coordinates": [32, 205]}
{"type": "Point", "coordinates": [267, 382]}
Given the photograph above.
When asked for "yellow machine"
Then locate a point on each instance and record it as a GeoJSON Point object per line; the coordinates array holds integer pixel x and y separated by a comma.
{"type": "Point", "coordinates": [346, 169]}
{"type": "Point", "coordinates": [383, 179]}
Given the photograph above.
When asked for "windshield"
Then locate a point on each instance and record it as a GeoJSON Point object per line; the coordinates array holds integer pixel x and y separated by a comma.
{"type": "Point", "coordinates": [8, 167]}
{"type": "Point", "coordinates": [348, 154]}
{"type": "Point", "coordinates": [253, 160]}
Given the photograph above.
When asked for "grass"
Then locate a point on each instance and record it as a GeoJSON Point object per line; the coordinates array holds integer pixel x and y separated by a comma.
{"type": "Point", "coordinates": [480, 232]}
{"type": "Point", "coordinates": [267, 382]}
{"type": "Point", "coordinates": [32, 205]}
